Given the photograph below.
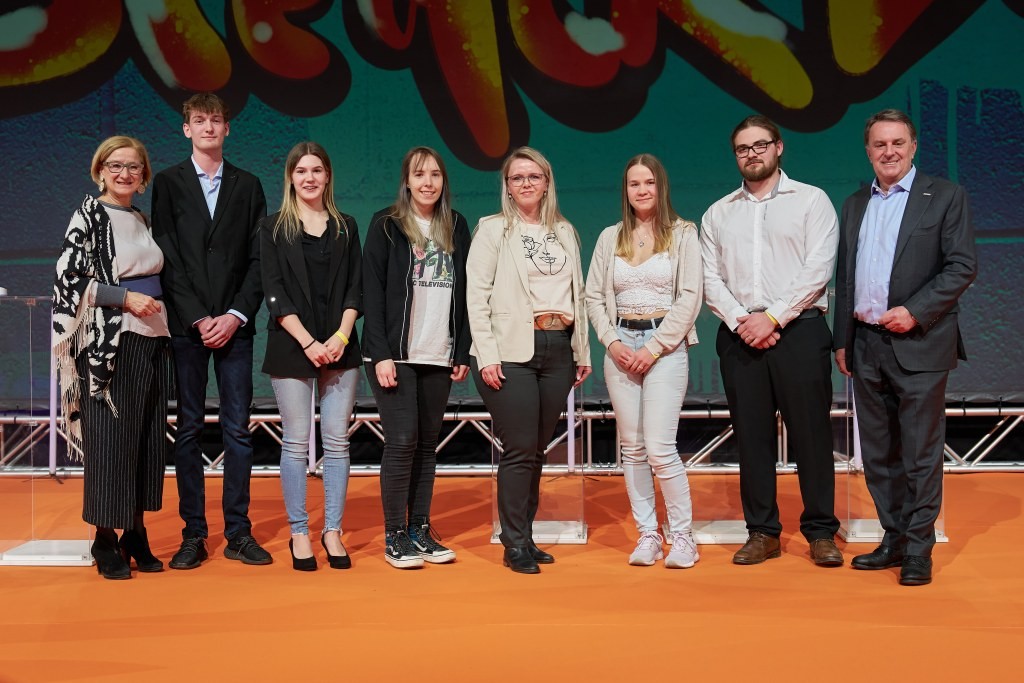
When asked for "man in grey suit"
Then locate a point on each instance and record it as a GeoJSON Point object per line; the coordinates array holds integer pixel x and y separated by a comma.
{"type": "Point", "coordinates": [906, 254]}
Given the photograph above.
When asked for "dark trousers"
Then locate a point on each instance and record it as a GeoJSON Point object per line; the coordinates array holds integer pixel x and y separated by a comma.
{"type": "Point", "coordinates": [410, 415]}
{"type": "Point", "coordinates": [125, 454]}
{"type": "Point", "coordinates": [524, 413]}
{"type": "Point", "coordinates": [795, 378]}
{"type": "Point", "coordinates": [901, 420]}
{"type": "Point", "coordinates": [232, 365]}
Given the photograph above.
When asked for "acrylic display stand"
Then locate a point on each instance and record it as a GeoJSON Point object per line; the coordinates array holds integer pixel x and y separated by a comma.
{"type": "Point", "coordinates": [47, 528]}
{"type": "Point", "coordinates": [560, 515]}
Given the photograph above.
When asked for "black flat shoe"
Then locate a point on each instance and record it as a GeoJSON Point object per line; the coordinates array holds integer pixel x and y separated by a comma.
{"type": "Point", "coordinates": [336, 561]}
{"type": "Point", "coordinates": [539, 556]}
{"type": "Point", "coordinates": [301, 564]}
{"type": "Point", "coordinates": [916, 571]}
{"type": "Point", "coordinates": [110, 563]}
{"type": "Point", "coordinates": [882, 557]}
{"type": "Point", "coordinates": [519, 560]}
{"type": "Point", "coordinates": [135, 544]}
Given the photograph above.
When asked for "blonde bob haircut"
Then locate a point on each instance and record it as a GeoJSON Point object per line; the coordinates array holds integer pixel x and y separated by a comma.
{"type": "Point", "coordinates": [111, 145]}
{"type": "Point", "coordinates": [288, 224]}
{"type": "Point", "coordinates": [664, 215]}
{"type": "Point", "coordinates": [549, 212]}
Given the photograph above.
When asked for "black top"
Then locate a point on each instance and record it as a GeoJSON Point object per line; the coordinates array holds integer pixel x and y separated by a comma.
{"type": "Point", "coordinates": [290, 290]}
{"type": "Point", "coordinates": [317, 253]}
{"type": "Point", "coordinates": [387, 284]}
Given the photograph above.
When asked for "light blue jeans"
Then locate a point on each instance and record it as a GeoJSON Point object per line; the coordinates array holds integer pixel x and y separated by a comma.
{"type": "Point", "coordinates": [647, 415]}
{"type": "Point", "coordinates": [337, 392]}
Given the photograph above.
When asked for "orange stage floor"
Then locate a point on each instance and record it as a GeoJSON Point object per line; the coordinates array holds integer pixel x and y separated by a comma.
{"type": "Point", "coordinates": [589, 617]}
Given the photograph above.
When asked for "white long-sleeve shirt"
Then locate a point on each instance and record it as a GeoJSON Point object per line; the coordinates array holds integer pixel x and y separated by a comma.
{"type": "Point", "coordinates": [776, 254]}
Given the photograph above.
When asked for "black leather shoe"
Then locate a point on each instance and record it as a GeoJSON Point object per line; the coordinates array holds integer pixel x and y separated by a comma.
{"type": "Point", "coordinates": [336, 561]}
{"type": "Point", "coordinates": [135, 544]}
{"type": "Point", "coordinates": [246, 549]}
{"type": "Point", "coordinates": [110, 563]}
{"type": "Point", "coordinates": [882, 557]}
{"type": "Point", "coordinates": [519, 560]}
{"type": "Point", "coordinates": [191, 554]}
{"type": "Point", "coordinates": [916, 571]}
{"type": "Point", "coordinates": [301, 564]}
{"type": "Point", "coordinates": [539, 556]}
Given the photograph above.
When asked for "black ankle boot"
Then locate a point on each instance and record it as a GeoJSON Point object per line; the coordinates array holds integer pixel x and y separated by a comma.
{"type": "Point", "coordinates": [135, 544]}
{"type": "Point", "coordinates": [109, 561]}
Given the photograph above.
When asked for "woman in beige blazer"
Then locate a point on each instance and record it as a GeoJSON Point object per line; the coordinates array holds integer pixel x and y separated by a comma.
{"type": "Point", "coordinates": [644, 291]}
{"type": "Point", "coordinates": [530, 339]}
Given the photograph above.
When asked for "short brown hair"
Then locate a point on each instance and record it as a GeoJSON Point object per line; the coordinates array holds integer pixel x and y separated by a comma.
{"type": "Point", "coordinates": [111, 145]}
{"type": "Point", "coordinates": [757, 121]}
{"type": "Point", "coordinates": [893, 115]}
{"type": "Point", "coordinates": [205, 103]}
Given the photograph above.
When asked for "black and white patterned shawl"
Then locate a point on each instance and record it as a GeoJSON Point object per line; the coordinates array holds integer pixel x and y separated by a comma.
{"type": "Point", "coordinates": [87, 254]}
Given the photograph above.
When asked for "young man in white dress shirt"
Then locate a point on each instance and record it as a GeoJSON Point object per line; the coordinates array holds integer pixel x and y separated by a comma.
{"type": "Point", "coordinates": [769, 250]}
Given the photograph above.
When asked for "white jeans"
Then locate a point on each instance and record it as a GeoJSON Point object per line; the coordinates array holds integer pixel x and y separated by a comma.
{"type": "Point", "coordinates": [647, 415]}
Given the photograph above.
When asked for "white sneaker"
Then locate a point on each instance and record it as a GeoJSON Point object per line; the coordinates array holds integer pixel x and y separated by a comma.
{"type": "Point", "coordinates": [648, 549]}
{"type": "Point", "coordinates": [683, 554]}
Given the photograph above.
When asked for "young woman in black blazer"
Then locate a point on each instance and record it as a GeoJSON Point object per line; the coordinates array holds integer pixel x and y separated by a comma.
{"type": "Point", "coordinates": [311, 265]}
{"type": "Point", "coordinates": [416, 342]}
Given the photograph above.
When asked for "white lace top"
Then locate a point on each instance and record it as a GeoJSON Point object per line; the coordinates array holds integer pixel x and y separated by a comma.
{"type": "Point", "coordinates": [643, 289]}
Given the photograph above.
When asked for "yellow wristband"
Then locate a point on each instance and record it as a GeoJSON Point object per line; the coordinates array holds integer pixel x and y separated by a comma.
{"type": "Point", "coordinates": [656, 356]}
{"type": "Point", "coordinates": [342, 337]}
{"type": "Point", "coordinates": [772, 318]}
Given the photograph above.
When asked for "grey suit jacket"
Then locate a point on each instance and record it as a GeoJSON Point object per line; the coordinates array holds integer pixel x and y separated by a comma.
{"type": "Point", "coordinates": [934, 263]}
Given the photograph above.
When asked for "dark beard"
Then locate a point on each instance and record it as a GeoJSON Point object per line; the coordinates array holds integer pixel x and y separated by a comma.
{"type": "Point", "coordinates": [756, 173]}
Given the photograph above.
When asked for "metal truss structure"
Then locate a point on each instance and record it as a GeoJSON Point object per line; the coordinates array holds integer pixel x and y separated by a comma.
{"type": "Point", "coordinates": [21, 436]}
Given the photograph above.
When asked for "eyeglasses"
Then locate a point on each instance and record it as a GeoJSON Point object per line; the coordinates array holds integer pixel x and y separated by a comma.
{"type": "Point", "coordinates": [758, 147]}
{"type": "Point", "coordinates": [116, 167]}
{"type": "Point", "coordinates": [533, 178]}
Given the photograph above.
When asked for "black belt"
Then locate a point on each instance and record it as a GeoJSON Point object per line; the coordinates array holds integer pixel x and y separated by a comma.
{"type": "Point", "coordinates": [874, 327]}
{"type": "Point", "coordinates": [651, 324]}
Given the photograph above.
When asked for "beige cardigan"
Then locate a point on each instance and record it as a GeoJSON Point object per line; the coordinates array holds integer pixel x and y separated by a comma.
{"type": "Point", "coordinates": [498, 294]}
{"type": "Point", "coordinates": [678, 325]}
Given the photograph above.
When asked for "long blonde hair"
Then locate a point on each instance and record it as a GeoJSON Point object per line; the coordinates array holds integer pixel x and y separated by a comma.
{"type": "Point", "coordinates": [288, 224]}
{"type": "Point", "coordinates": [402, 210]}
{"type": "Point", "coordinates": [664, 215]}
{"type": "Point", "coordinates": [549, 212]}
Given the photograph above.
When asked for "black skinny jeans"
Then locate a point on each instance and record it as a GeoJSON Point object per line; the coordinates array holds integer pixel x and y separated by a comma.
{"type": "Point", "coordinates": [411, 415]}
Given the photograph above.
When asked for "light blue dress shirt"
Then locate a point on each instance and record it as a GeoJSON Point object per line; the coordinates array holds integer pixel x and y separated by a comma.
{"type": "Point", "coordinates": [211, 190]}
{"type": "Point", "coordinates": [876, 247]}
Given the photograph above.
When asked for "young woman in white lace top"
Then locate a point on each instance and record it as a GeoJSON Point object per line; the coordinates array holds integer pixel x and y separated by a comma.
{"type": "Point", "coordinates": [643, 294]}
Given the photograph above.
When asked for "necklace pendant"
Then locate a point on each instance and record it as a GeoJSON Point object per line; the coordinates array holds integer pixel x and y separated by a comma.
{"type": "Point", "coordinates": [641, 243]}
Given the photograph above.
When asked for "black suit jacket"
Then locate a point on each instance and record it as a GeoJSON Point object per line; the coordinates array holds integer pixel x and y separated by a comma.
{"type": "Point", "coordinates": [286, 282]}
{"type": "Point", "coordinates": [934, 263]}
{"type": "Point", "coordinates": [211, 265]}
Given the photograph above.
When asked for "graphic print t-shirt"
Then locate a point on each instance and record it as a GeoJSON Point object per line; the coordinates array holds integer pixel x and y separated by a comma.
{"type": "Point", "coordinates": [433, 278]}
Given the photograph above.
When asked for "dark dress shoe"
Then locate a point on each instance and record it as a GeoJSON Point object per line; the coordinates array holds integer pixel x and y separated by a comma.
{"type": "Point", "coordinates": [336, 561]}
{"type": "Point", "coordinates": [246, 549]}
{"type": "Point", "coordinates": [882, 557]}
{"type": "Point", "coordinates": [301, 564]}
{"type": "Point", "coordinates": [519, 560]}
{"type": "Point", "coordinates": [539, 556]}
{"type": "Point", "coordinates": [824, 553]}
{"type": "Point", "coordinates": [135, 544]}
{"type": "Point", "coordinates": [191, 553]}
{"type": "Point", "coordinates": [110, 563]}
{"type": "Point", "coordinates": [758, 548]}
{"type": "Point", "coordinates": [916, 571]}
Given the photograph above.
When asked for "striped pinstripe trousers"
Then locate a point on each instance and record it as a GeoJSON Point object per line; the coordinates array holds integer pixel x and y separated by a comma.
{"type": "Point", "coordinates": [125, 455]}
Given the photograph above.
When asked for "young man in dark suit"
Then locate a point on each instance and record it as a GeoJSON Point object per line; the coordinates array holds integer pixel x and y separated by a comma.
{"type": "Point", "coordinates": [906, 254]}
{"type": "Point", "coordinates": [205, 215]}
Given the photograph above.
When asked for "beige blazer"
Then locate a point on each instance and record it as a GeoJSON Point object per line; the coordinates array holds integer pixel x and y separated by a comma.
{"type": "Point", "coordinates": [678, 325]}
{"type": "Point", "coordinates": [498, 296]}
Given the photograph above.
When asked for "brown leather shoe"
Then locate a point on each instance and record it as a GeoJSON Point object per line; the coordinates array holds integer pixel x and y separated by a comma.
{"type": "Point", "coordinates": [758, 548]}
{"type": "Point", "coordinates": [824, 553]}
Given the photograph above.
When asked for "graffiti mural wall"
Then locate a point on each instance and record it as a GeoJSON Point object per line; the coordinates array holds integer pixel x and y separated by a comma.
{"type": "Point", "coordinates": [588, 83]}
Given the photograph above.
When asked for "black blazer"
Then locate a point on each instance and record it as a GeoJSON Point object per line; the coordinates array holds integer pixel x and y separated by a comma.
{"type": "Point", "coordinates": [210, 265]}
{"type": "Point", "coordinates": [934, 263]}
{"type": "Point", "coordinates": [387, 290]}
{"type": "Point", "coordinates": [286, 283]}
